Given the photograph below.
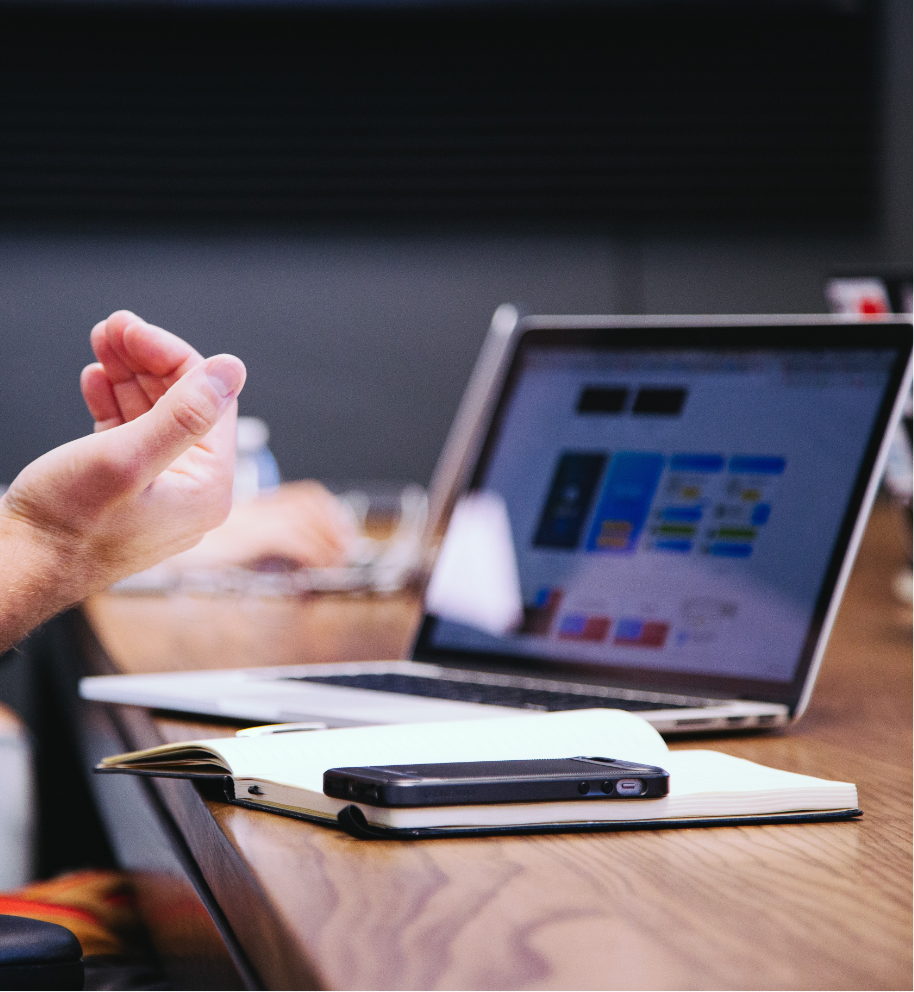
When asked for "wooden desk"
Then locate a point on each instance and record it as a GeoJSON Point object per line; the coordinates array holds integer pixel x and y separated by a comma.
{"type": "Point", "coordinates": [812, 906]}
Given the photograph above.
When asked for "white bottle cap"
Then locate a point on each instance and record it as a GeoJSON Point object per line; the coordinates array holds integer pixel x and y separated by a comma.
{"type": "Point", "coordinates": [253, 435]}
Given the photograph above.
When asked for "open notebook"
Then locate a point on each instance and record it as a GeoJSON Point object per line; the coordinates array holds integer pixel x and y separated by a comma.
{"type": "Point", "coordinates": [284, 773]}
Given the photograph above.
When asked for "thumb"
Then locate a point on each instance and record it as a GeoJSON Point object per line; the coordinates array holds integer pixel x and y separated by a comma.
{"type": "Point", "coordinates": [182, 417]}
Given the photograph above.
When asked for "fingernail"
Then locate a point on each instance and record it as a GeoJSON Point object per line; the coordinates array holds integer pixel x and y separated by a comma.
{"type": "Point", "coordinates": [225, 377]}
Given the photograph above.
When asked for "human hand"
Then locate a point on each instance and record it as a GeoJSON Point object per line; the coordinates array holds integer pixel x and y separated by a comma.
{"type": "Point", "coordinates": [301, 524]}
{"type": "Point", "coordinates": [155, 476]}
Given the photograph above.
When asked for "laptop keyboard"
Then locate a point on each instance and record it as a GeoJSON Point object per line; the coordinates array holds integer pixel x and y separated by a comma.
{"type": "Point", "coordinates": [519, 697]}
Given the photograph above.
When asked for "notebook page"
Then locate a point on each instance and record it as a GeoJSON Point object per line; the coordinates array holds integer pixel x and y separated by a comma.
{"type": "Point", "coordinates": [714, 783]}
{"type": "Point", "coordinates": [300, 759]}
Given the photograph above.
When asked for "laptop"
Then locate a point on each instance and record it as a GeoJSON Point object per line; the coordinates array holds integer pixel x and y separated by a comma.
{"type": "Point", "coordinates": [684, 496]}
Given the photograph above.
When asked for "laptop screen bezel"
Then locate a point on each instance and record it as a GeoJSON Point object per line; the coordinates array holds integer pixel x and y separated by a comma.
{"type": "Point", "coordinates": [735, 336]}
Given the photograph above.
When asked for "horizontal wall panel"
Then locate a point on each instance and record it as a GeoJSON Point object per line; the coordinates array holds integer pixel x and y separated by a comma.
{"type": "Point", "coordinates": [727, 113]}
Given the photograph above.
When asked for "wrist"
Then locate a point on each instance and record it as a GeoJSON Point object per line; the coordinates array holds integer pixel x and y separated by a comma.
{"type": "Point", "coordinates": [35, 578]}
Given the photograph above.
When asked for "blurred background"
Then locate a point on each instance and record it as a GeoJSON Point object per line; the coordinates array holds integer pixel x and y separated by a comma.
{"type": "Point", "coordinates": [341, 193]}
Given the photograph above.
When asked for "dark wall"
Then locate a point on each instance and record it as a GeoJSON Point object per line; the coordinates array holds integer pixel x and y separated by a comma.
{"type": "Point", "coordinates": [747, 113]}
{"type": "Point", "coordinates": [346, 218]}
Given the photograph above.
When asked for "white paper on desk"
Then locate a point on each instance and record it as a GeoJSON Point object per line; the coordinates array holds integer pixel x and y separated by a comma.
{"type": "Point", "coordinates": [475, 580]}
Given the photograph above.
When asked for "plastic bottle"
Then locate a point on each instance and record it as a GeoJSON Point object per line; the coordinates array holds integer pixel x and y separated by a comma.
{"type": "Point", "coordinates": [256, 470]}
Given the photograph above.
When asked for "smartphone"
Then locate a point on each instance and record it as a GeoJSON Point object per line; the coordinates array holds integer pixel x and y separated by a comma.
{"type": "Point", "coordinates": [461, 783]}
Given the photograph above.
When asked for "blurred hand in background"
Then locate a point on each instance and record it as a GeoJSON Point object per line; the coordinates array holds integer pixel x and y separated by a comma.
{"type": "Point", "coordinates": [300, 524]}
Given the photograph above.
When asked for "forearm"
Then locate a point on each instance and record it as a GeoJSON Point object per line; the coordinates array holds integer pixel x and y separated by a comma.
{"type": "Point", "coordinates": [34, 580]}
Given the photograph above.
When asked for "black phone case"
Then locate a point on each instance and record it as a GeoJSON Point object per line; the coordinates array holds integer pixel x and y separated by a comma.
{"type": "Point", "coordinates": [469, 783]}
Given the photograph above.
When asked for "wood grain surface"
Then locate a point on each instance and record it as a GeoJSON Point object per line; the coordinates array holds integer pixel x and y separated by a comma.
{"type": "Point", "coordinates": [815, 906]}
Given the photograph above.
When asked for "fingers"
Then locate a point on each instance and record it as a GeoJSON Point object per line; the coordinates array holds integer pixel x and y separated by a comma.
{"type": "Point", "coordinates": [135, 347]}
{"type": "Point", "coordinates": [190, 411]}
{"type": "Point", "coordinates": [156, 352]}
{"type": "Point", "coordinates": [300, 524]}
{"type": "Point", "coordinates": [141, 361]}
{"type": "Point", "coordinates": [116, 369]}
{"type": "Point", "coordinates": [317, 517]}
{"type": "Point", "coordinates": [306, 522]}
{"type": "Point", "coordinates": [188, 414]}
{"type": "Point", "coordinates": [99, 396]}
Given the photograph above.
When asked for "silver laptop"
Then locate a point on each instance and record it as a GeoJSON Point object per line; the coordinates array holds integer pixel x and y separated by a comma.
{"type": "Point", "coordinates": [684, 496]}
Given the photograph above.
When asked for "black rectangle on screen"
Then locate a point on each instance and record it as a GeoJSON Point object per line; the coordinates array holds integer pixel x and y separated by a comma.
{"type": "Point", "coordinates": [602, 399]}
{"type": "Point", "coordinates": [666, 402]}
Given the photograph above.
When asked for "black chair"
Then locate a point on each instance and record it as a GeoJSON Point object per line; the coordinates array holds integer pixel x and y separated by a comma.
{"type": "Point", "coordinates": [38, 955]}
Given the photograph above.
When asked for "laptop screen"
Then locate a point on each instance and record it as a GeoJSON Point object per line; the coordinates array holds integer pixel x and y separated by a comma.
{"type": "Point", "coordinates": [679, 514]}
